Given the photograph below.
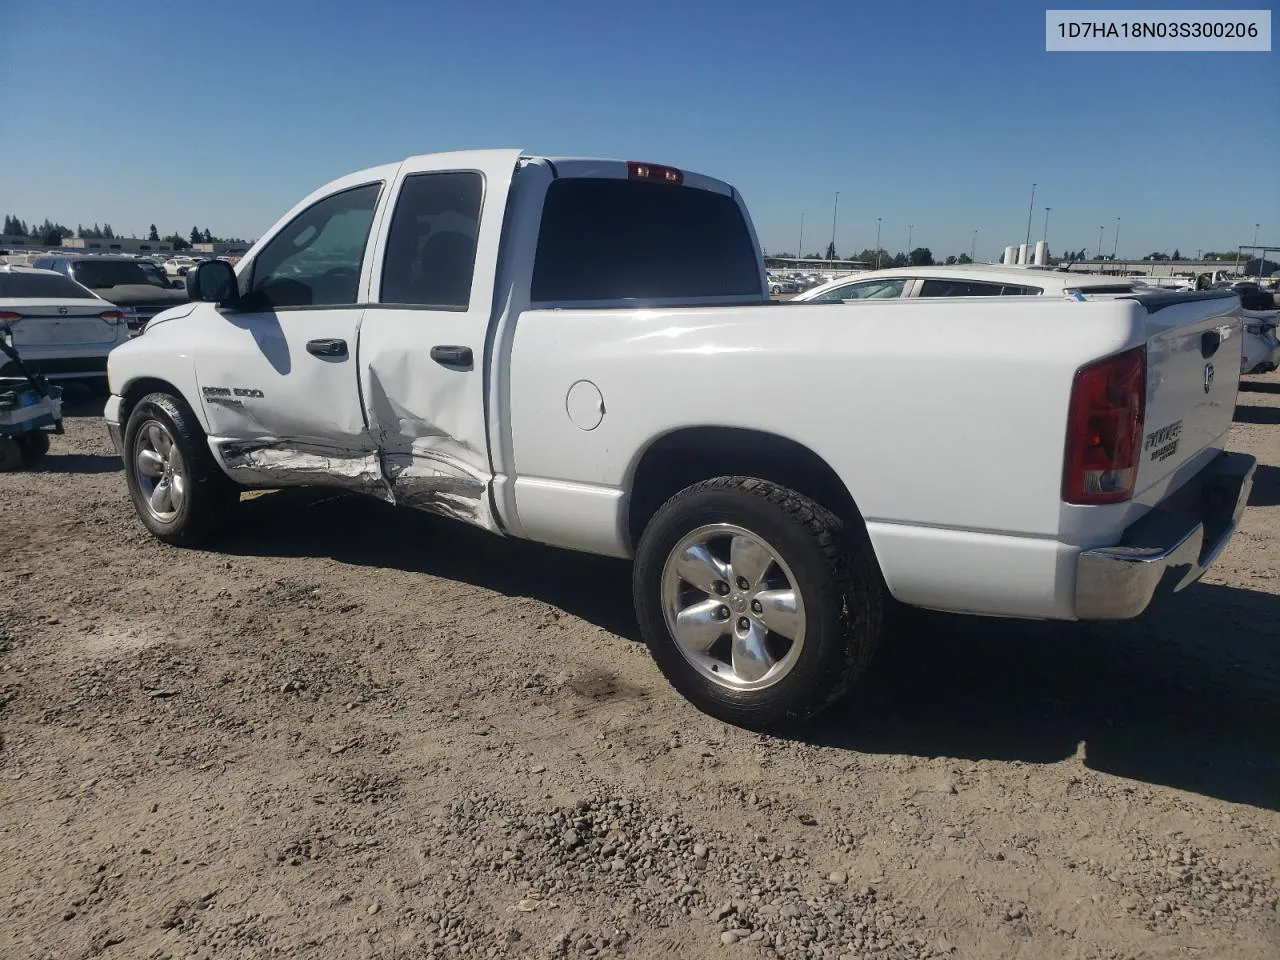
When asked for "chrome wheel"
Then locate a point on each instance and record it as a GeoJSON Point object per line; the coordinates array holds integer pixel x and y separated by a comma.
{"type": "Point", "coordinates": [160, 470]}
{"type": "Point", "coordinates": [732, 606]}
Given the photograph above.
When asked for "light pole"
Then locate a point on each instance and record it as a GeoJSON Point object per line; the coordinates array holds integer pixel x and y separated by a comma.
{"type": "Point", "coordinates": [1030, 209]}
{"type": "Point", "coordinates": [878, 243]}
{"type": "Point", "coordinates": [912, 226]}
{"type": "Point", "coordinates": [973, 246]}
{"type": "Point", "coordinates": [800, 249]}
{"type": "Point", "coordinates": [1100, 231]}
{"type": "Point", "coordinates": [1116, 249]}
{"type": "Point", "coordinates": [1255, 247]}
{"type": "Point", "coordinates": [835, 207]}
{"type": "Point", "coordinates": [1046, 224]}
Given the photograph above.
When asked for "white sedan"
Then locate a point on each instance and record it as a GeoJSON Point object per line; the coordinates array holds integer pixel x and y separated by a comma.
{"type": "Point", "coordinates": [60, 328]}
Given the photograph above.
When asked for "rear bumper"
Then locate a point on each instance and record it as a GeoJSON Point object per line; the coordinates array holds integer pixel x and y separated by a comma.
{"type": "Point", "coordinates": [1168, 549]}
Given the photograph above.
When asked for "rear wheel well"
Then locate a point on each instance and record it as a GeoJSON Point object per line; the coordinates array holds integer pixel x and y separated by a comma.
{"type": "Point", "coordinates": [688, 456]}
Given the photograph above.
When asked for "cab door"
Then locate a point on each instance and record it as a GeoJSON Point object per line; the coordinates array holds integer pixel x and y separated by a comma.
{"type": "Point", "coordinates": [423, 335]}
{"type": "Point", "coordinates": [278, 377]}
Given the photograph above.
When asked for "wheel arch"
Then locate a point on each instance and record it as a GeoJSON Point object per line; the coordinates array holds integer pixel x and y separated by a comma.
{"type": "Point", "coordinates": [140, 387]}
{"type": "Point", "coordinates": [691, 454]}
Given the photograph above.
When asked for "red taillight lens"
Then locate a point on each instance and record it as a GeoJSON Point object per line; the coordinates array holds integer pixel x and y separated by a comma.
{"type": "Point", "coordinates": [653, 171]}
{"type": "Point", "coordinates": [8, 316]}
{"type": "Point", "coordinates": [112, 316]}
{"type": "Point", "coordinates": [1104, 429]}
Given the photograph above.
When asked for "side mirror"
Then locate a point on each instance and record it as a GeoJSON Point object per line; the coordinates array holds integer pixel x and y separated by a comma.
{"type": "Point", "coordinates": [213, 281]}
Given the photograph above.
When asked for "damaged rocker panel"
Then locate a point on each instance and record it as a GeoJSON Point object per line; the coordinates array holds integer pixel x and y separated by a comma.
{"type": "Point", "coordinates": [276, 463]}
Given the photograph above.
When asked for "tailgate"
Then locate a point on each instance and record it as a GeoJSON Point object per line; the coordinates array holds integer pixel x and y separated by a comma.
{"type": "Point", "coordinates": [1193, 370]}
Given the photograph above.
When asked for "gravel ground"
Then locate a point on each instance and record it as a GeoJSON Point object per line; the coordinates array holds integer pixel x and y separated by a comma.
{"type": "Point", "coordinates": [352, 732]}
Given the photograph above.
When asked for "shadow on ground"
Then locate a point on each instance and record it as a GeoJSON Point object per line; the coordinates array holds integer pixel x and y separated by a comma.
{"type": "Point", "coordinates": [1187, 697]}
{"type": "Point", "coordinates": [1248, 413]}
{"type": "Point", "coordinates": [76, 463]}
{"type": "Point", "coordinates": [1259, 386]}
{"type": "Point", "coordinates": [1266, 486]}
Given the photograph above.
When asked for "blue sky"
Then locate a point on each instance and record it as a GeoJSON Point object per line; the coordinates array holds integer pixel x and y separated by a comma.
{"type": "Point", "coordinates": [935, 114]}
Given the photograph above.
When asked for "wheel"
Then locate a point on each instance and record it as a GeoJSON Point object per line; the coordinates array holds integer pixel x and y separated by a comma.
{"type": "Point", "coordinates": [755, 602]}
{"type": "Point", "coordinates": [33, 445]}
{"type": "Point", "coordinates": [10, 455]}
{"type": "Point", "coordinates": [177, 488]}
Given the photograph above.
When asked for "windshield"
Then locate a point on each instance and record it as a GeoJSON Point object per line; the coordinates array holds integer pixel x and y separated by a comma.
{"type": "Point", "coordinates": [97, 274]}
{"type": "Point", "coordinates": [33, 285]}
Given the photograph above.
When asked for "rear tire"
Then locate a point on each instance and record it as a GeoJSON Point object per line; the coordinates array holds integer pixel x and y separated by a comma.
{"type": "Point", "coordinates": [772, 662]}
{"type": "Point", "coordinates": [33, 445]}
{"type": "Point", "coordinates": [10, 455]}
{"type": "Point", "coordinates": [179, 491]}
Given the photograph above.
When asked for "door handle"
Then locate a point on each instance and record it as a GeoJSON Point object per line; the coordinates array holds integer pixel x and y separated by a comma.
{"type": "Point", "coordinates": [450, 356]}
{"type": "Point", "coordinates": [327, 348]}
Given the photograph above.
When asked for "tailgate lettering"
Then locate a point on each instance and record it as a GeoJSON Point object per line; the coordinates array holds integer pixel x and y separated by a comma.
{"type": "Point", "coordinates": [1161, 437]}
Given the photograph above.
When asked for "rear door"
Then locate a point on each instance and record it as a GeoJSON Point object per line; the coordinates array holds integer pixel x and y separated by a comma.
{"type": "Point", "coordinates": [423, 336]}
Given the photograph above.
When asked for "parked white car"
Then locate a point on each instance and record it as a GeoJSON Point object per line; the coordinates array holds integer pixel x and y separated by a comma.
{"type": "Point", "coordinates": [60, 328]}
{"type": "Point", "coordinates": [178, 266]}
{"type": "Point", "coordinates": [968, 280]}
{"type": "Point", "coordinates": [583, 353]}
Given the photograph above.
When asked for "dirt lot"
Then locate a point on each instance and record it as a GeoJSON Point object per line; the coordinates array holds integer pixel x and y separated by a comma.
{"type": "Point", "coordinates": [352, 732]}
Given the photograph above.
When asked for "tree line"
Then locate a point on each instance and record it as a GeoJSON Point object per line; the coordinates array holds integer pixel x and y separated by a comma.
{"type": "Point", "coordinates": [52, 234]}
{"type": "Point", "coordinates": [919, 257]}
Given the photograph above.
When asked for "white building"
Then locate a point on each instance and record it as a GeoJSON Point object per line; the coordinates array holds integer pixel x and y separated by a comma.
{"type": "Point", "coordinates": [118, 245]}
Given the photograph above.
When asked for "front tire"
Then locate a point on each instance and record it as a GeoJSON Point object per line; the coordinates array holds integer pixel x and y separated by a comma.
{"type": "Point", "coordinates": [33, 445]}
{"type": "Point", "coordinates": [178, 490]}
{"type": "Point", "coordinates": [755, 602]}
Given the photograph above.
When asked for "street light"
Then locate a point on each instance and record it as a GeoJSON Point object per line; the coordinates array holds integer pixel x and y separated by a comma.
{"type": "Point", "coordinates": [1030, 209]}
{"type": "Point", "coordinates": [1255, 247]}
{"type": "Point", "coordinates": [911, 227]}
{"type": "Point", "coordinates": [877, 243]}
{"type": "Point", "coordinates": [835, 207]}
{"type": "Point", "coordinates": [1046, 223]}
{"type": "Point", "coordinates": [1100, 231]}
{"type": "Point", "coordinates": [1115, 249]}
{"type": "Point", "coordinates": [973, 246]}
{"type": "Point", "coordinates": [800, 249]}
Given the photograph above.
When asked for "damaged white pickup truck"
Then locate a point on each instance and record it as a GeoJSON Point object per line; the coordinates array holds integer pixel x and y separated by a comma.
{"type": "Point", "coordinates": [583, 353]}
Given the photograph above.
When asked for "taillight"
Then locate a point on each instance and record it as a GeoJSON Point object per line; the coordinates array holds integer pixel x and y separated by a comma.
{"type": "Point", "coordinates": [113, 316]}
{"type": "Point", "coordinates": [1104, 429]}
{"type": "Point", "coordinates": [8, 316]}
{"type": "Point", "coordinates": [653, 171]}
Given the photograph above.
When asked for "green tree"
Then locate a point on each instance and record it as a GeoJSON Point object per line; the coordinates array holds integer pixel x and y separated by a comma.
{"type": "Point", "coordinates": [964, 258]}
{"type": "Point", "coordinates": [195, 235]}
{"type": "Point", "coordinates": [154, 234]}
{"type": "Point", "coordinates": [1177, 254]}
{"type": "Point", "coordinates": [950, 260]}
{"type": "Point", "coordinates": [899, 260]}
{"type": "Point", "coordinates": [921, 257]}
{"type": "Point", "coordinates": [178, 242]}
{"type": "Point", "coordinates": [107, 232]}
{"type": "Point", "coordinates": [831, 251]}
{"type": "Point", "coordinates": [208, 237]}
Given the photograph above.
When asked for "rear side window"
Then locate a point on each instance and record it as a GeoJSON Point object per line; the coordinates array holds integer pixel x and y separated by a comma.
{"type": "Point", "coordinates": [887, 288]}
{"type": "Point", "coordinates": [958, 288]}
{"type": "Point", "coordinates": [1011, 290]}
{"type": "Point", "coordinates": [431, 249]}
{"type": "Point", "coordinates": [633, 240]}
{"type": "Point", "coordinates": [42, 285]}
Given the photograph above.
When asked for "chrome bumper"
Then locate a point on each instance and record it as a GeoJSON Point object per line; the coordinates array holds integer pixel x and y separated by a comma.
{"type": "Point", "coordinates": [1168, 549]}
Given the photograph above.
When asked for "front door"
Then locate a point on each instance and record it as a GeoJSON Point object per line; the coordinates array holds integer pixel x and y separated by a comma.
{"type": "Point", "coordinates": [422, 339]}
{"type": "Point", "coordinates": [279, 382]}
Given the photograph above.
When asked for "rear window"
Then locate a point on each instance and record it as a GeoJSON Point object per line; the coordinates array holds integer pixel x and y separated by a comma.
{"type": "Point", "coordinates": [110, 273]}
{"type": "Point", "coordinates": [631, 240]}
{"type": "Point", "coordinates": [958, 288]}
{"type": "Point", "coordinates": [42, 285]}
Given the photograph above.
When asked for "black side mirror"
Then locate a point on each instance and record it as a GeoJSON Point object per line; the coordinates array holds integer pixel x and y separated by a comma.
{"type": "Point", "coordinates": [213, 281]}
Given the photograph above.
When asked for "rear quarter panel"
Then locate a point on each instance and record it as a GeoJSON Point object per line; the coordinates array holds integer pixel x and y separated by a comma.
{"type": "Point", "coordinates": [947, 414]}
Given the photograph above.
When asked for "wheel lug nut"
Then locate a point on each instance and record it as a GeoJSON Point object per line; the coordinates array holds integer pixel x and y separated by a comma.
{"type": "Point", "coordinates": [744, 624]}
{"type": "Point", "coordinates": [742, 584]}
{"type": "Point", "coordinates": [721, 587]}
{"type": "Point", "coordinates": [756, 607]}
{"type": "Point", "coordinates": [723, 613]}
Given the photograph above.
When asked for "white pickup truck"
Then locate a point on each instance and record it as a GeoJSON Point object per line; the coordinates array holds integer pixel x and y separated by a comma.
{"type": "Point", "coordinates": [583, 353]}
